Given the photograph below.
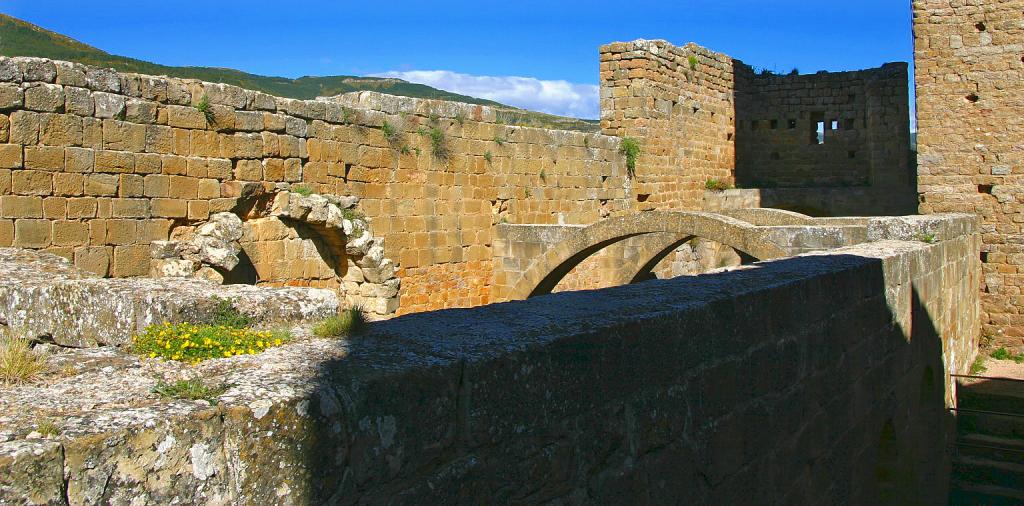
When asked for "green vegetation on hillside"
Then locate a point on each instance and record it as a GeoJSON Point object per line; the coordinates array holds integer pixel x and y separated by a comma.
{"type": "Point", "coordinates": [19, 38]}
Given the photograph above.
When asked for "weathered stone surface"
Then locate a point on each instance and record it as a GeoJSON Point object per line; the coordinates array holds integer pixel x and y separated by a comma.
{"type": "Point", "coordinates": [586, 396]}
{"type": "Point", "coordinates": [43, 295]}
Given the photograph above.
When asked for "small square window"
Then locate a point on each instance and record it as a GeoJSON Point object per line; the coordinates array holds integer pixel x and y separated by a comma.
{"type": "Point", "coordinates": [774, 124]}
{"type": "Point", "coordinates": [834, 125]}
{"type": "Point", "coordinates": [791, 124]}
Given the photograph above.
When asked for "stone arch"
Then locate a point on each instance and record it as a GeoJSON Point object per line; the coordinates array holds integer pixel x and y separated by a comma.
{"type": "Point", "coordinates": [322, 239]}
{"type": "Point", "coordinates": [544, 272]}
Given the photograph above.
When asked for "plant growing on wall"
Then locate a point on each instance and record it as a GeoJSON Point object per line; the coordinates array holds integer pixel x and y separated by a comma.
{"type": "Point", "coordinates": [630, 148]}
{"type": "Point", "coordinates": [438, 143]}
{"type": "Point", "coordinates": [204, 107]}
{"type": "Point", "coordinates": [348, 116]}
{"type": "Point", "coordinates": [543, 176]}
{"type": "Point", "coordinates": [499, 140]}
{"type": "Point", "coordinates": [393, 133]}
{"type": "Point", "coordinates": [716, 185]}
{"type": "Point", "coordinates": [488, 157]}
{"type": "Point", "coordinates": [693, 62]}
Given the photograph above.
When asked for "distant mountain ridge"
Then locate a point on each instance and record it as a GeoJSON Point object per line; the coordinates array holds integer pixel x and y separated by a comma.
{"type": "Point", "coordinates": [20, 38]}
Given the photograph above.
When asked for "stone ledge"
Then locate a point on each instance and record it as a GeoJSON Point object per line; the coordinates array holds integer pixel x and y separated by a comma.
{"type": "Point", "coordinates": [406, 404]}
{"type": "Point", "coordinates": [43, 295]}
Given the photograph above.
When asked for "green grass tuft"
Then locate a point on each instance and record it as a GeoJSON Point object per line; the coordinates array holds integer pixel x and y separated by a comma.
{"type": "Point", "coordinates": [438, 143]}
{"type": "Point", "coordinates": [978, 366]}
{"type": "Point", "coordinates": [227, 315]}
{"type": "Point", "coordinates": [488, 157]}
{"type": "Point", "coordinates": [693, 62]}
{"type": "Point", "coordinates": [1004, 354]}
{"type": "Point", "coordinates": [716, 185]}
{"type": "Point", "coordinates": [204, 107]}
{"type": "Point", "coordinates": [927, 238]}
{"type": "Point", "coordinates": [47, 427]}
{"type": "Point", "coordinates": [630, 148]}
{"type": "Point", "coordinates": [303, 190]}
{"type": "Point", "coordinates": [345, 324]}
{"type": "Point", "coordinates": [19, 363]}
{"type": "Point", "coordinates": [191, 389]}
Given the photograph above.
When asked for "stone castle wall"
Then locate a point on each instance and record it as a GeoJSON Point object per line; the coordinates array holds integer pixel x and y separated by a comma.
{"type": "Point", "coordinates": [96, 165]}
{"type": "Point", "coordinates": [864, 120]}
{"type": "Point", "coordinates": [679, 102]}
{"type": "Point", "coordinates": [970, 86]}
{"type": "Point", "coordinates": [818, 379]}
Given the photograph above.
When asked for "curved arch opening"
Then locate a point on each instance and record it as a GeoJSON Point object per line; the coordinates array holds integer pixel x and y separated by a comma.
{"type": "Point", "coordinates": [276, 252]}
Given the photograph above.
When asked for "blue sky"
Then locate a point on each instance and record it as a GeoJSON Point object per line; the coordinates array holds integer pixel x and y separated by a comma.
{"type": "Point", "coordinates": [476, 46]}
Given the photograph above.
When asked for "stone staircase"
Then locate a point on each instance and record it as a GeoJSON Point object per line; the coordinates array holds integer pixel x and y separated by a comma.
{"type": "Point", "coordinates": [988, 460]}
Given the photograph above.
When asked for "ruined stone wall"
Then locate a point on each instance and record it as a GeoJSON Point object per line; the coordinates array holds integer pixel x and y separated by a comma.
{"type": "Point", "coordinates": [96, 165]}
{"type": "Point", "coordinates": [970, 87]}
{"type": "Point", "coordinates": [820, 379]}
{"type": "Point", "coordinates": [678, 102]}
{"type": "Point", "coordinates": [865, 128]}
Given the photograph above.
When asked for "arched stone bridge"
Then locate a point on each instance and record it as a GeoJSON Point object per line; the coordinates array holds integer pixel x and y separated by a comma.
{"type": "Point", "coordinates": [532, 259]}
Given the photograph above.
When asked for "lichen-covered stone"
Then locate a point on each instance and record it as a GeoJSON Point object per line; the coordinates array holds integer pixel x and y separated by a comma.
{"type": "Point", "coordinates": [43, 295]}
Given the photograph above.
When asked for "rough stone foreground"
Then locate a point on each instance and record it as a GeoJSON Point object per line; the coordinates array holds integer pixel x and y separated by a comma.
{"type": "Point", "coordinates": [773, 381]}
{"type": "Point", "coordinates": [44, 295]}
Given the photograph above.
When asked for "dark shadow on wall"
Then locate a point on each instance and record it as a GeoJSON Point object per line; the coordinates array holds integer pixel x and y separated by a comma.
{"type": "Point", "coordinates": [789, 382]}
{"type": "Point", "coordinates": [826, 144]}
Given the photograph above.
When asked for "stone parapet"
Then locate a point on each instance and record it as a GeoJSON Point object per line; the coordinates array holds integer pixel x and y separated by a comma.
{"type": "Point", "coordinates": [759, 382]}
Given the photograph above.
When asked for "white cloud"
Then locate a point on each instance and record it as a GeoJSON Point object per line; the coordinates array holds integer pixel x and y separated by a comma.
{"type": "Point", "coordinates": [553, 97]}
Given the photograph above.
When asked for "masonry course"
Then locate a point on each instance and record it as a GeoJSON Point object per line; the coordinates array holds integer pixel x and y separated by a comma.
{"type": "Point", "coordinates": [969, 87]}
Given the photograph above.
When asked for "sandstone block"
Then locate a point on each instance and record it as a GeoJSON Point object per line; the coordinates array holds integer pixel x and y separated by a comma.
{"type": "Point", "coordinates": [32, 182]}
{"type": "Point", "coordinates": [70, 74]}
{"type": "Point", "coordinates": [148, 163]}
{"type": "Point", "coordinates": [61, 130]}
{"type": "Point", "coordinates": [95, 259]}
{"type": "Point", "coordinates": [185, 117]}
{"type": "Point", "coordinates": [31, 233]}
{"type": "Point", "coordinates": [78, 101]}
{"type": "Point", "coordinates": [132, 185]}
{"type": "Point", "coordinates": [130, 208]}
{"type": "Point", "coordinates": [48, 158]}
{"type": "Point", "coordinates": [169, 208]}
{"type": "Point", "coordinates": [38, 69]}
{"type": "Point", "coordinates": [6, 233]}
{"type": "Point", "coordinates": [68, 185]}
{"type": "Point", "coordinates": [55, 208]}
{"type": "Point", "coordinates": [114, 161]}
{"type": "Point", "coordinates": [11, 96]}
{"type": "Point", "coordinates": [11, 156]}
{"type": "Point", "coordinates": [24, 127]}
{"type": "Point", "coordinates": [70, 233]}
{"type": "Point", "coordinates": [198, 210]}
{"type": "Point", "coordinates": [79, 159]}
{"type": "Point", "coordinates": [81, 208]}
{"type": "Point", "coordinates": [45, 98]}
{"type": "Point", "coordinates": [123, 136]}
{"type": "Point", "coordinates": [15, 206]}
{"type": "Point", "coordinates": [140, 111]}
{"type": "Point", "coordinates": [103, 185]}
{"type": "Point", "coordinates": [108, 105]}
{"type": "Point", "coordinates": [130, 261]}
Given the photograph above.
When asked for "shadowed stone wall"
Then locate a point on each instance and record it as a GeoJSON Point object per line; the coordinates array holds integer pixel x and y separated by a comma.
{"type": "Point", "coordinates": [864, 138]}
{"type": "Point", "coordinates": [817, 379]}
{"type": "Point", "coordinates": [970, 87]}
